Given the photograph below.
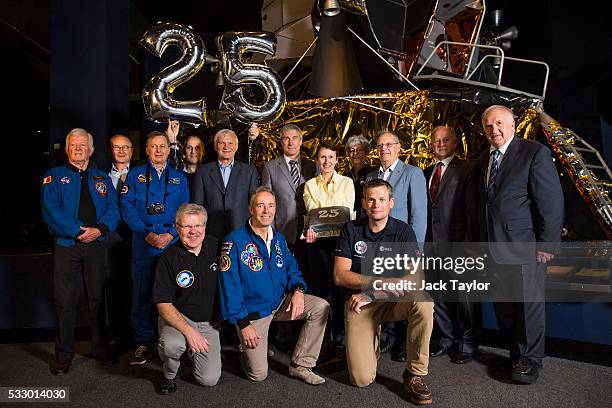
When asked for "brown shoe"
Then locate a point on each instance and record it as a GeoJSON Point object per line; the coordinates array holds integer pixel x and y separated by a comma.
{"type": "Point", "coordinates": [417, 390]}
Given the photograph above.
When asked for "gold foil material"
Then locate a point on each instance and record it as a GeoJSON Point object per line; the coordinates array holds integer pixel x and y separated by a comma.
{"type": "Point", "coordinates": [594, 189]}
{"type": "Point", "coordinates": [411, 115]}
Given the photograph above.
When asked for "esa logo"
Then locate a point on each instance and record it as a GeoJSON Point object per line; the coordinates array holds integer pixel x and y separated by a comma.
{"type": "Point", "coordinates": [184, 279]}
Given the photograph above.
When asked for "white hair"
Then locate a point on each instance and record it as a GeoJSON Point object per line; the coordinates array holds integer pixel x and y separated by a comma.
{"type": "Point", "coordinates": [80, 131]}
{"type": "Point", "coordinates": [223, 132]}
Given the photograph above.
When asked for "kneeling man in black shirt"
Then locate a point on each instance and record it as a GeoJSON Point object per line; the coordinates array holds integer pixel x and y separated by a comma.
{"type": "Point", "coordinates": [184, 291]}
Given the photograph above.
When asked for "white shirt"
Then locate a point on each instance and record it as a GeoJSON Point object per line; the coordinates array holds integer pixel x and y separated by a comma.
{"type": "Point", "coordinates": [288, 159]}
{"type": "Point", "coordinates": [269, 240]}
{"type": "Point", "coordinates": [115, 174]}
{"type": "Point", "coordinates": [502, 150]}
{"type": "Point", "coordinates": [445, 163]}
{"type": "Point", "coordinates": [387, 173]}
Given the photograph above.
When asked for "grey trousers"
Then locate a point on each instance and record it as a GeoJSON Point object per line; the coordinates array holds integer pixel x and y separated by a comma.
{"type": "Point", "coordinates": [172, 345]}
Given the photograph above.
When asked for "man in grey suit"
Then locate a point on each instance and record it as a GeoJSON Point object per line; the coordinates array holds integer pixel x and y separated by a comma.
{"type": "Point", "coordinates": [410, 196]}
{"type": "Point", "coordinates": [286, 176]}
{"type": "Point", "coordinates": [408, 184]}
{"type": "Point", "coordinates": [520, 212]}
{"type": "Point", "coordinates": [224, 187]}
{"type": "Point", "coordinates": [451, 218]}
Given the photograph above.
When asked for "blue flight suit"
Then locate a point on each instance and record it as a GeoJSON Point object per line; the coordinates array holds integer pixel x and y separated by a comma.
{"type": "Point", "coordinates": [252, 283]}
{"type": "Point", "coordinates": [75, 261]}
{"type": "Point", "coordinates": [61, 190]}
{"type": "Point", "coordinates": [170, 189]}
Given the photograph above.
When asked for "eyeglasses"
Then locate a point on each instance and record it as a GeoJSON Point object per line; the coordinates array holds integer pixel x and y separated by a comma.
{"type": "Point", "coordinates": [385, 145]}
{"type": "Point", "coordinates": [356, 150]}
{"type": "Point", "coordinates": [188, 227]}
{"type": "Point", "coordinates": [122, 148]}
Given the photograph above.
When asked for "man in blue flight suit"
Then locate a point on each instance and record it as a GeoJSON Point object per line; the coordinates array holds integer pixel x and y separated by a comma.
{"type": "Point", "coordinates": [149, 199]}
{"type": "Point", "coordinates": [79, 205]}
{"type": "Point", "coordinates": [260, 282]}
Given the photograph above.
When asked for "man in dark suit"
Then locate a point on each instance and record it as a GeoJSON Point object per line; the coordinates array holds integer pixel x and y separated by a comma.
{"type": "Point", "coordinates": [286, 177]}
{"type": "Point", "coordinates": [451, 217]}
{"type": "Point", "coordinates": [224, 187]}
{"type": "Point", "coordinates": [119, 244]}
{"type": "Point", "coordinates": [520, 211]}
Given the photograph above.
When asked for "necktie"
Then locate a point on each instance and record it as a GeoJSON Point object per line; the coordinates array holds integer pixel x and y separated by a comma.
{"type": "Point", "coordinates": [435, 181]}
{"type": "Point", "coordinates": [123, 177]}
{"type": "Point", "coordinates": [295, 175]}
{"type": "Point", "coordinates": [494, 168]}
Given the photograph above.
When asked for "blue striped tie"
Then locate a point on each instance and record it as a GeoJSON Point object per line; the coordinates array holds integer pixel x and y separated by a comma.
{"type": "Point", "coordinates": [295, 175]}
{"type": "Point", "coordinates": [494, 168]}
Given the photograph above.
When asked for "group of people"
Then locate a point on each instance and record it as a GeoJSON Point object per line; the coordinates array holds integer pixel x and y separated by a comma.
{"type": "Point", "coordinates": [212, 234]}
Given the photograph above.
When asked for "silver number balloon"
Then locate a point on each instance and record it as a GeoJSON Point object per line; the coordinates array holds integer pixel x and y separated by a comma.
{"type": "Point", "coordinates": [240, 75]}
{"type": "Point", "coordinates": [157, 95]}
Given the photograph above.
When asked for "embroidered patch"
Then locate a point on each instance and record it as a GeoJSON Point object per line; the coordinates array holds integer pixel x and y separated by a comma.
{"type": "Point", "coordinates": [252, 249]}
{"type": "Point", "coordinates": [174, 180]}
{"type": "Point", "coordinates": [361, 247]}
{"type": "Point", "coordinates": [225, 263]}
{"type": "Point", "coordinates": [101, 188]}
{"type": "Point", "coordinates": [142, 178]}
{"type": "Point", "coordinates": [185, 279]}
{"type": "Point", "coordinates": [125, 189]}
{"type": "Point", "coordinates": [255, 263]}
{"type": "Point", "coordinates": [279, 261]}
{"type": "Point", "coordinates": [250, 257]}
{"type": "Point", "coordinates": [226, 247]}
{"type": "Point", "coordinates": [66, 180]}
{"type": "Point", "coordinates": [47, 180]}
{"type": "Point", "coordinates": [213, 267]}
{"type": "Point", "coordinates": [277, 249]}
{"type": "Point", "coordinates": [98, 177]}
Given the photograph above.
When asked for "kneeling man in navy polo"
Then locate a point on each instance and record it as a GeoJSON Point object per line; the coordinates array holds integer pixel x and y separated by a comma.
{"type": "Point", "coordinates": [260, 282]}
{"type": "Point", "coordinates": [184, 291]}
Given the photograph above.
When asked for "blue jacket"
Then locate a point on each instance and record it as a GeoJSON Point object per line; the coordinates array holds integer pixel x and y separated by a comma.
{"type": "Point", "coordinates": [134, 199]}
{"type": "Point", "coordinates": [61, 191]}
{"type": "Point", "coordinates": [252, 283]}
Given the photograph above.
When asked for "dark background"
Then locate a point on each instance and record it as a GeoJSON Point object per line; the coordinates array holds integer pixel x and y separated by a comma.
{"type": "Point", "coordinates": [70, 63]}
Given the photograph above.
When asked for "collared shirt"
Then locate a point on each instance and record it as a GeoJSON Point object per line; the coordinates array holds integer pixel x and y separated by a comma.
{"type": "Point", "coordinates": [502, 150]}
{"type": "Point", "coordinates": [338, 192]}
{"type": "Point", "coordinates": [115, 174]}
{"type": "Point", "coordinates": [445, 163]}
{"type": "Point", "coordinates": [268, 240]}
{"type": "Point", "coordinates": [159, 171]}
{"type": "Point", "coordinates": [226, 172]}
{"type": "Point", "coordinates": [187, 280]}
{"type": "Point", "coordinates": [288, 159]}
{"type": "Point", "coordinates": [385, 174]}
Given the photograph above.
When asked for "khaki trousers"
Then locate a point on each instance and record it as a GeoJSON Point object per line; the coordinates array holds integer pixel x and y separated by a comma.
{"type": "Point", "coordinates": [255, 361]}
{"type": "Point", "coordinates": [362, 337]}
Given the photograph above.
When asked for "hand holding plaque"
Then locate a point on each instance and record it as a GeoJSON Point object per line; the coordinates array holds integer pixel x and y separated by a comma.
{"type": "Point", "coordinates": [327, 221]}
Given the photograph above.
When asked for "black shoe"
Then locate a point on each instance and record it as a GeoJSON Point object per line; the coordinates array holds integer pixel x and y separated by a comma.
{"type": "Point", "coordinates": [107, 358]}
{"type": "Point", "coordinates": [437, 351]}
{"type": "Point", "coordinates": [525, 371]}
{"type": "Point", "coordinates": [398, 354]}
{"type": "Point", "coordinates": [141, 355]}
{"type": "Point", "coordinates": [60, 367]}
{"type": "Point", "coordinates": [167, 386]}
{"type": "Point", "coordinates": [462, 358]}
